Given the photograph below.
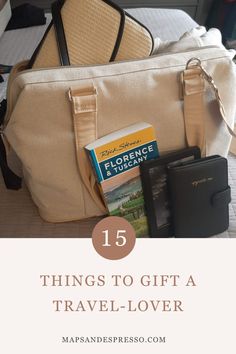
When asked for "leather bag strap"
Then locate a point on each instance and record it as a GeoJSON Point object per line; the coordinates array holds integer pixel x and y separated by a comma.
{"type": "Point", "coordinates": [194, 79]}
{"type": "Point", "coordinates": [84, 111]}
{"type": "Point", "coordinates": [60, 33]}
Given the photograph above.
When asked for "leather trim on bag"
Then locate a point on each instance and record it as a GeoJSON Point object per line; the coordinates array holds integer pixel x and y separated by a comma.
{"type": "Point", "coordinates": [60, 33]}
{"type": "Point", "coordinates": [121, 28]}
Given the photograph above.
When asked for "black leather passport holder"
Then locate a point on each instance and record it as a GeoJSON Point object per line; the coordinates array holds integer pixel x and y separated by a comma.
{"type": "Point", "coordinates": [155, 188]}
{"type": "Point", "coordinates": [200, 197]}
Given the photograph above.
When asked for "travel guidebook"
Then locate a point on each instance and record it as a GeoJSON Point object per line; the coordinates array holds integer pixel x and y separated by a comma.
{"type": "Point", "coordinates": [116, 159]}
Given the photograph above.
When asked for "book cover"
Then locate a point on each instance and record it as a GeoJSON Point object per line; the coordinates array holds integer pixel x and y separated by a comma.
{"type": "Point", "coordinates": [116, 159]}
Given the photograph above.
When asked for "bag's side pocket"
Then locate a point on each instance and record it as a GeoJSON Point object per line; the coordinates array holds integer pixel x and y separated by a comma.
{"type": "Point", "coordinates": [84, 110]}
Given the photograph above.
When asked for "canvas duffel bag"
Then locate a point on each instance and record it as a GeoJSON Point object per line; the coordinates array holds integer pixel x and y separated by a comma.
{"type": "Point", "coordinates": [53, 113]}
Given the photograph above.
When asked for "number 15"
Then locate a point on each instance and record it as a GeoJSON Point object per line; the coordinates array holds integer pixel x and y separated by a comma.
{"type": "Point", "coordinates": [120, 237]}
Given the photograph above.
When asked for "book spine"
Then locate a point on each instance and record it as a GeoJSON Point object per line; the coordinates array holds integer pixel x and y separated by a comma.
{"type": "Point", "coordinates": [95, 165]}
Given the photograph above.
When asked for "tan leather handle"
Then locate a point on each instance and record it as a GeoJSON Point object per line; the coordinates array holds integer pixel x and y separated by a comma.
{"type": "Point", "coordinates": [84, 110]}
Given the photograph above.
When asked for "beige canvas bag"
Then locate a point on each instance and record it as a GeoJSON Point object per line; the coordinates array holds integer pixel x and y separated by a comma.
{"type": "Point", "coordinates": [53, 113]}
